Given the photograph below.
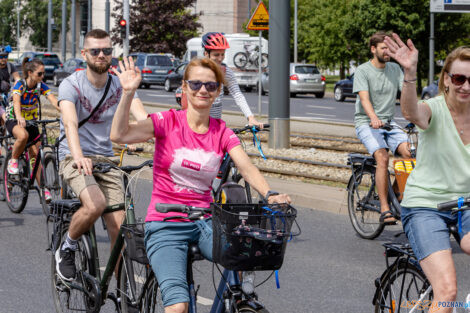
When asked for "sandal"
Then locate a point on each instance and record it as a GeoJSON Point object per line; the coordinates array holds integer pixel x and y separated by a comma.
{"type": "Point", "coordinates": [387, 218]}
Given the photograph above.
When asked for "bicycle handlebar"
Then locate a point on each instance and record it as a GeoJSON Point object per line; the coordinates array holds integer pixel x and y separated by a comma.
{"type": "Point", "coordinates": [407, 129]}
{"type": "Point", "coordinates": [180, 208]}
{"type": "Point", "coordinates": [248, 127]}
{"type": "Point", "coordinates": [450, 205]}
{"type": "Point", "coordinates": [35, 122]}
{"type": "Point", "coordinates": [106, 167]}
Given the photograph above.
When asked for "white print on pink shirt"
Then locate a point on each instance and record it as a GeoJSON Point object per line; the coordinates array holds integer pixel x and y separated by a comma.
{"type": "Point", "coordinates": [194, 169]}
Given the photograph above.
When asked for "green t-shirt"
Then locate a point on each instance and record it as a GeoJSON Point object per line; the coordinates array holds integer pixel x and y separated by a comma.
{"type": "Point", "coordinates": [382, 85]}
{"type": "Point", "coordinates": [442, 170]}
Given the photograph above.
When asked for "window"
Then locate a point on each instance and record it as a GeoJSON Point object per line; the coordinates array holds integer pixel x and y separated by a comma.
{"type": "Point", "coordinates": [158, 60]}
{"type": "Point", "coordinates": [306, 70]}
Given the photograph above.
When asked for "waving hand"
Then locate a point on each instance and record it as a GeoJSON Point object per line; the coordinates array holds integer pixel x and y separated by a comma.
{"type": "Point", "coordinates": [405, 55]}
{"type": "Point", "coordinates": [129, 75]}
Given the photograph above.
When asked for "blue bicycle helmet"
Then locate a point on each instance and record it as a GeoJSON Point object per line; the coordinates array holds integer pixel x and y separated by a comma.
{"type": "Point", "coordinates": [5, 50]}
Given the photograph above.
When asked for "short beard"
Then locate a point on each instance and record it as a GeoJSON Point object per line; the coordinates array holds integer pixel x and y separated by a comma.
{"type": "Point", "coordinates": [382, 59]}
{"type": "Point", "coordinates": [99, 69]}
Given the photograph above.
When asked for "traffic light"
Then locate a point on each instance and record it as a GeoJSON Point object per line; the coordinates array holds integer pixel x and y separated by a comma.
{"type": "Point", "coordinates": [122, 24]}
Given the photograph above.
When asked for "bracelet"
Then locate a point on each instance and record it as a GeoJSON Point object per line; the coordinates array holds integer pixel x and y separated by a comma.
{"type": "Point", "coordinates": [410, 80]}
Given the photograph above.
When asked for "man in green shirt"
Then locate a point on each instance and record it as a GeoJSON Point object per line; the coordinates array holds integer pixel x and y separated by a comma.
{"type": "Point", "coordinates": [376, 82]}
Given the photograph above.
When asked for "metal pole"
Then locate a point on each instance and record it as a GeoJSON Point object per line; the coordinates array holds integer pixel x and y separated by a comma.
{"type": "Point", "coordinates": [18, 30]}
{"type": "Point", "coordinates": [431, 51]}
{"type": "Point", "coordinates": [126, 17]}
{"type": "Point", "coordinates": [259, 74]}
{"type": "Point", "coordinates": [74, 29]}
{"type": "Point", "coordinates": [106, 16]}
{"type": "Point", "coordinates": [89, 15]}
{"type": "Point", "coordinates": [49, 26]}
{"type": "Point", "coordinates": [64, 30]}
{"type": "Point", "coordinates": [249, 8]}
{"type": "Point", "coordinates": [295, 31]}
{"type": "Point", "coordinates": [279, 105]}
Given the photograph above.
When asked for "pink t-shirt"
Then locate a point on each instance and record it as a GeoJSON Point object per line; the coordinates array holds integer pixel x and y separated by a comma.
{"type": "Point", "coordinates": [185, 162]}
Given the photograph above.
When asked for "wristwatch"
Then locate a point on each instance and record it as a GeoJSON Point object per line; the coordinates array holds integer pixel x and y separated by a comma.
{"type": "Point", "coordinates": [270, 193]}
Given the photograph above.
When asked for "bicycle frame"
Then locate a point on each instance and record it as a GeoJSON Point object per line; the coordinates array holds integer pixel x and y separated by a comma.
{"type": "Point", "coordinates": [229, 278]}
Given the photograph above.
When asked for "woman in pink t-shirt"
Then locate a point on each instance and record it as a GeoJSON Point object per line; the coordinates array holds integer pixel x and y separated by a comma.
{"type": "Point", "coordinates": [189, 148]}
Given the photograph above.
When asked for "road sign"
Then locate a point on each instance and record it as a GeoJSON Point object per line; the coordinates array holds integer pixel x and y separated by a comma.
{"type": "Point", "coordinates": [450, 6]}
{"type": "Point", "coordinates": [260, 19]}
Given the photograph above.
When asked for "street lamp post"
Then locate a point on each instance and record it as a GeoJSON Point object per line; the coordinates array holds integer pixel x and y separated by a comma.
{"type": "Point", "coordinates": [49, 26]}
{"type": "Point", "coordinates": [18, 30]}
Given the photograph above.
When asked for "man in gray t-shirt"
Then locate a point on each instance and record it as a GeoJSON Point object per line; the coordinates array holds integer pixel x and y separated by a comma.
{"type": "Point", "coordinates": [377, 83]}
{"type": "Point", "coordinates": [79, 94]}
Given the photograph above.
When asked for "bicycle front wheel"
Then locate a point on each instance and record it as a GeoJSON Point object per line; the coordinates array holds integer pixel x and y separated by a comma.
{"type": "Point", "coordinates": [364, 204]}
{"type": "Point", "coordinates": [49, 181]}
{"type": "Point", "coordinates": [16, 186]}
{"type": "Point", "coordinates": [264, 61]}
{"type": "Point", "coordinates": [405, 289]}
{"type": "Point", "coordinates": [151, 301]}
{"type": "Point", "coordinates": [67, 297]}
{"type": "Point", "coordinates": [132, 276]}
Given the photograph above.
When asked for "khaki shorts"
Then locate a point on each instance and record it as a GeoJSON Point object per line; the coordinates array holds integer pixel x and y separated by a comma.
{"type": "Point", "coordinates": [110, 183]}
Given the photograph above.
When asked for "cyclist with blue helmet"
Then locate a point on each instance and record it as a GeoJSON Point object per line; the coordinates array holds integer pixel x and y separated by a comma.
{"type": "Point", "coordinates": [7, 72]}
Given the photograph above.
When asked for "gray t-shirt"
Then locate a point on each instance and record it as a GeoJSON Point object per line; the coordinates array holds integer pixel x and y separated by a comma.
{"type": "Point", "coordinates": [382, 85]}
{"type": "Point", "coordinates": [94, 134]}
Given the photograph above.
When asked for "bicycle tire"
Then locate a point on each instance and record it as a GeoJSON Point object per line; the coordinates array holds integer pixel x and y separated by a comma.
{"type": "Point", "coordinates": [132, 276]}
{"type": "Point", "coordinates": [2, 179]}
{"type": "Point", "coordinates": [248, 309]}
{"type": "Point", "coordinates": [240, 60]}
{"type": "Point", "coordinates": [366, 222]}
{"type": "Point", "coordinates": [264, 61]}
{"type": "Point", "coordinates": [414, 284]}
{"type": "Point", "coordinates": [68, 299]}
{"type": "Point", "coordinates": [50, 180]}
{"type": "Point", "coordinates": [151, 301]}
{"type": "Point", "coordinates": [15, 186]}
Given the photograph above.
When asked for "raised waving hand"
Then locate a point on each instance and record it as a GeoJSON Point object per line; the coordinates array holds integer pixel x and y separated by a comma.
{"type": "Point", "coordinates": [405, 54]}
{"type": "Point", "coordinates": [129, 74]}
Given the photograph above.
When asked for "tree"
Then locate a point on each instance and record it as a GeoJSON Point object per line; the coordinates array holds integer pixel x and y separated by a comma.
{"type": "Point", "coordinates": [34, 20]}
{"type": "Point", "coordinates": [158, 25]}
{"type": "Point", "coordinates": [334, 32]}
{"type": "Point", "coordinates": [8, 22]}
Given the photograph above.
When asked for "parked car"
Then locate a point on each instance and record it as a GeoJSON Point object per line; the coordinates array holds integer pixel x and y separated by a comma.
{"type": "Point", "coordinates": [304, 78]}
{"type": "Point", "coordinates": [430, 90]}
{"type": "Point", "coordinates": [154, 67]}
{"type": "Point", "coordinates": [50, 59]}
{"type": "Point", "coordinates": [344, 88]}
{"type": "Point", "coordinates": [174, 78]}
{"type": "Point", "coordinates": [70, 66]}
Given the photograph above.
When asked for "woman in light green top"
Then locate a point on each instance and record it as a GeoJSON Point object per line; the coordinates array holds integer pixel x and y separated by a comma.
{"type": "Point", "coordinates": [443, 164]}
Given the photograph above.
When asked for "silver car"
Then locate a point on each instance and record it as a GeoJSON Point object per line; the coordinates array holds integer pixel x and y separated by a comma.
{"type": "Point", "coordinates": [154, 66]}
{"type": "Point", "coordinates": [304, 78]}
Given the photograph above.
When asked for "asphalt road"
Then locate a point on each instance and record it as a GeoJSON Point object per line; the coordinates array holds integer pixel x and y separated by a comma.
{"type": "Point", "coordinates": [327, 269]}
{"type": "Point", "coordinates": [303, 106]}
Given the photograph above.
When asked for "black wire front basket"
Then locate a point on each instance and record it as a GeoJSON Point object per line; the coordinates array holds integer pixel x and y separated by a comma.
{"type": "Point", "coordinates": [251, 237]}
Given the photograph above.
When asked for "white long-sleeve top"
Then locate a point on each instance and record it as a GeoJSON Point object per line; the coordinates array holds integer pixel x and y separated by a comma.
{"type": "Point", "coordinates": [234, 89]}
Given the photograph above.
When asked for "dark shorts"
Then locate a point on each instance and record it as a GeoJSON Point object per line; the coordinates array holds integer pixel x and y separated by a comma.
{"type": "Point", "coordinates": [33, 131]}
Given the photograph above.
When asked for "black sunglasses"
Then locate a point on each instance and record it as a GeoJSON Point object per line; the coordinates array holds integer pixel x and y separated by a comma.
{"type": "Point", "coordinates": [3, 56]}
{"type": "Point", "coordinates": [196, 85]}
{"type": "Point", "coordinates": [96, 51]}
{"type": "Point", "coordinates": [458, 79]}
{"type": "Point", "coordinates": [40, 74]}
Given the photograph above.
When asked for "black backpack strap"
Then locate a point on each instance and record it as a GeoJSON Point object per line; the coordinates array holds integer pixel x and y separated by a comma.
{"type": "Point", "coordinates": [108, 84]}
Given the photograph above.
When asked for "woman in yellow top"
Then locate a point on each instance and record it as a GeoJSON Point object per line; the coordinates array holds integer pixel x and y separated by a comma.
{"type": "Point", "coordinates": [25, 106]}
{"type": "Point", "coordinates": [442, 170]}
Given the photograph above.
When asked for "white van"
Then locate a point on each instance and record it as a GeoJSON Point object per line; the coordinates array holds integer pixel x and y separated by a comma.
{"type": "Point", "coordinates": [246, 77]}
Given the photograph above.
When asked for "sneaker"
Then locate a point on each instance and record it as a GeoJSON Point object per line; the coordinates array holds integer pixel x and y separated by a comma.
{"type": "Point", "coordinates": [12, 167]}
{"type": "Point", "coordinates": [47, 195]}
{"type": "Point", "coordinates": [65, 263]}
